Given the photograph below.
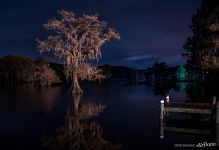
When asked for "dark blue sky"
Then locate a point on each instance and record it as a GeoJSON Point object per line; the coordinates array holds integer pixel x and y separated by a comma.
{"type": "Point", "coordinates": [151, 30]}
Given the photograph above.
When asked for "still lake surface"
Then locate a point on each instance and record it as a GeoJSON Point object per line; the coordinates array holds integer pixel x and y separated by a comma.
{"type": "Point", "coordinates": [128, 119]}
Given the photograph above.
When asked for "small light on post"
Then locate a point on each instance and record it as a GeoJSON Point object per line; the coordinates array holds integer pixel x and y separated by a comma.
{"type": "Point", "coordinates": [214, 100]}
{"type": "Point", "coordinates": [162, 109]}
{"type": "Point", "coordinates": [167, 98]}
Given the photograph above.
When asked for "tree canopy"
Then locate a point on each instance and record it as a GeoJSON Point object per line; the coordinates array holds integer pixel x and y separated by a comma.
{"type": "Point", "coordinates": [202, 47]}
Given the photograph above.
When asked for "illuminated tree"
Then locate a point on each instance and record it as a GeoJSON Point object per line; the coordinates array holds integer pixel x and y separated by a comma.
{"type": "Point", "coordinates": [77, 41]}
{"type": "Point", "coordinates": [45, 75]}
{"type": "Point", "coordinates": [181, 74]}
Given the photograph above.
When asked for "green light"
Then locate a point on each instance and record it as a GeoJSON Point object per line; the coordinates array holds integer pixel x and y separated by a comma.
{"type": "Point", "coordinates": [181, 74]}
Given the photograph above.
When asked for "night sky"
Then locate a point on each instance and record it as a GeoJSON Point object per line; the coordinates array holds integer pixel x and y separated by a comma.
{"type": "Point", "coordinates": [151, 30]}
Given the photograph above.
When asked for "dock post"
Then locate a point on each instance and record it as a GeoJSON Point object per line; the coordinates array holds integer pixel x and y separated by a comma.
{"type": "Point", "coordinates": [167, 98]}
{"type": "Point", "coordinates": [217, 135]}
{"type": "Point", "coordinates": [213, 115]}
{"type": "Point", "coordinates": [214, 100]}
{"type": "Point", "coordinates": [161, 118]}
{"type": "Point", "coordinates": [162, 109]}
{"type": "Point", "coordinates": [217, 113]}
{"type": "Point", "coordinates": [161, 129]}
{"type": "Point", "coordinates": [217, 119]}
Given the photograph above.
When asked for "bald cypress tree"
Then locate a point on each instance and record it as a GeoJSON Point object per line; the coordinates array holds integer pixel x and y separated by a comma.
{"type": "Point", "coordinates": [77, 41]}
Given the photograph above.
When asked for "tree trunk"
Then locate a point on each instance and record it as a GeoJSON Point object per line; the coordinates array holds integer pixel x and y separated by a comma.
{"type": "Point", "coordinates": [76, 101]}
{"type": "Point", "coordinates": [76, 87]}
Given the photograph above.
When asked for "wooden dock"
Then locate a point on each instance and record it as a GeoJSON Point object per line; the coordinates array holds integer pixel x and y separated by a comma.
{"type": "Point", "coordinates": [192, 108]}
{"type": "Point", "coordinates": [211, 109]}
{"type": "Point", "coordinates": [188, 130]}
{"type": "Point", "coordinates": [198, 108]}
{"type": "Point", "coordinates": [181, 127]}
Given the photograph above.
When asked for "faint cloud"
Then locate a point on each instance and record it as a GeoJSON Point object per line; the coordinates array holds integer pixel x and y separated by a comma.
{"type": "Point", "coordinates": [138, 57]}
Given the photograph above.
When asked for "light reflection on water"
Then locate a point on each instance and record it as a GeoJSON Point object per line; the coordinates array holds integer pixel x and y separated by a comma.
{"type": "Point", "coordinates": [130, 118]}
{"type": "Point", "coordinates": [80, 130]}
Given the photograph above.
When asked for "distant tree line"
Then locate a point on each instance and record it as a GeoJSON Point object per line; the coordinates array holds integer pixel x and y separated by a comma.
{"type": "Point", "coordinates": [21, 70]}
{"type": "Point", "coordinates": [15, 70]}
{"type": "Point", "coordinates": [120, 74]}
{"type": "Point", "coordinates": [160, 72]}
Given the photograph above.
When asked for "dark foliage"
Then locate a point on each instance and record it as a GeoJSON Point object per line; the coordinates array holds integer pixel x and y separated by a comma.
{"type": "Point", "coordinates": [16, 69]}
{"type": "Point", "coordinates": [200, 47]}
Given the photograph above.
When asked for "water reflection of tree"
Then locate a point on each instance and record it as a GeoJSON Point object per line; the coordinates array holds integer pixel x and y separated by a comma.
{"type": "Point", "coordinates": [47, 97]}
{"type": "Point", "coordinates": [80, 131]}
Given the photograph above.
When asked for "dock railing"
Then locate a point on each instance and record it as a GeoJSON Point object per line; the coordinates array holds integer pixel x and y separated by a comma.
{"type": "Point", "coordinates": [167, 106]}
{"type": "Point", "coordinates": [197, 108]}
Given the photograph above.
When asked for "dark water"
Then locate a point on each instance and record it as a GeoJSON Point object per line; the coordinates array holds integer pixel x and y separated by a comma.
{"type": "Point", "coordinates": [107, 117]}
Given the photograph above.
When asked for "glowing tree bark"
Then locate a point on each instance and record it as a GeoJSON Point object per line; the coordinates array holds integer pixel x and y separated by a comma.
{"type": "Point", "coordinates": [77, 41]}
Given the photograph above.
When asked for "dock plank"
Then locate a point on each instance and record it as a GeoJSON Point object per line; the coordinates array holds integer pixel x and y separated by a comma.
{"type": "Point", "coordinates": [188, 110]}
{"type": "Point", "coordinates": [190, 105]}
{"type": "Point", "coordinates": [187, 130]}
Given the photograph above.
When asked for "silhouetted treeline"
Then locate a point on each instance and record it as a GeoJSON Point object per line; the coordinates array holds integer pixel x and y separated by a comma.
{"type": "Point", "coordinates": [15, 70]}
{"type": "Point", "coordinates": [20, 70]}
{"type": "Point", "coordinates": [161, 72]}
{"type": "Point", "coordinates": [163, 78]}
{"type": "Point", "coordinates": [123, 74]}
